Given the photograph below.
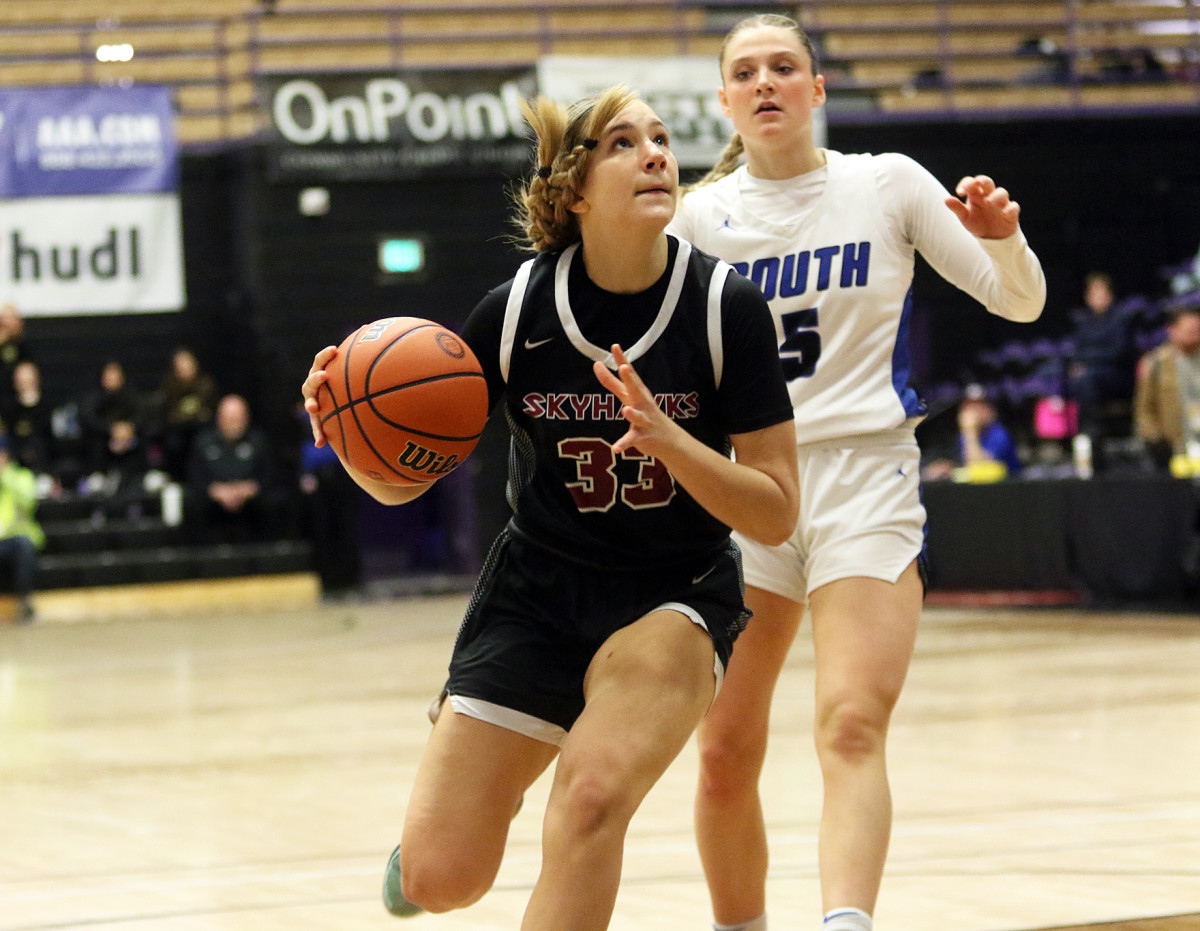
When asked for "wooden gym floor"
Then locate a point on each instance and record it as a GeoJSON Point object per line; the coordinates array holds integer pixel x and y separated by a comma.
{"type": "Point", "coordinates": [204, 760]}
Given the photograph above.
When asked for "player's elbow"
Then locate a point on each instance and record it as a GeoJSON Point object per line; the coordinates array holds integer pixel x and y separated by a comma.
{"type": "Point", "coordinates": [777, 525]}
{"type": "Point", "coordinates": [1027, 307]}
{"type": "Point", "coordinates": [1025, 312]}
{"type": "Point", "coordinates": [1030, 312]}
{"type": "Point", "coordinates": [773, 539]}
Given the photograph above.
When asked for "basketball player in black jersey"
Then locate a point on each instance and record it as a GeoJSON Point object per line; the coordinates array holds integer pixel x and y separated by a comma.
{"type": "Point", "coordinates": [628, 366]}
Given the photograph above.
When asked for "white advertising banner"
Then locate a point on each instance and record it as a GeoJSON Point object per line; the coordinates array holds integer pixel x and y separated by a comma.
{"type": "Point", "coordinates": [91, 254]}
{"type": "Point", "coordinates": [682, 90]}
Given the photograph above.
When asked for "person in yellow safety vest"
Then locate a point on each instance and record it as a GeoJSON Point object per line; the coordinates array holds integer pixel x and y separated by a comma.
{"type": "Point", "coordinates": [20, 534]}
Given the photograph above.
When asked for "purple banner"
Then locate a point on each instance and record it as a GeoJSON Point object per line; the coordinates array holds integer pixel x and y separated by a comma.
{"type": "Point", "coordinates": [70, 141]}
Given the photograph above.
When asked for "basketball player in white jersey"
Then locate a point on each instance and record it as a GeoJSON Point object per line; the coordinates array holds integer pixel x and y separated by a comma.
{"type": "Point", "coordinates": [606, 611]}
{"type": "Point", "coordinates": [830, 239]}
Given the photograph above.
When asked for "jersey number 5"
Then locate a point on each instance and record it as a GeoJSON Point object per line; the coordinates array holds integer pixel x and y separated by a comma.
{"type": "Point", "coordinates": [598, 487]}
{"type": "Point", "coordinates": [801, 344]}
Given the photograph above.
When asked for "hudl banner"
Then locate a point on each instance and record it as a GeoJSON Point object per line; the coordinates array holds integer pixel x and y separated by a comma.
{"type": "Point", "coordinates": [89, 208]}
{"type": "Point", "coordinates": [87, 255]}
{"type": "Point", "coordinates": [404, 124]}
{"type": "Point", "coordinates": [86, 140]}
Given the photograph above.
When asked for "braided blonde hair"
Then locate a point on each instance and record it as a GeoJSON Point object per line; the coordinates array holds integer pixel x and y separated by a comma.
{"type": "Point", "coordinates": [566, 138]}
{"type": "Point", "coordinates": [735, 148]}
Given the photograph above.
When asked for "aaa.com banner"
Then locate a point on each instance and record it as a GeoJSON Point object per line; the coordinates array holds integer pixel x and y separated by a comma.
{"type": "Point", "coordinates": [86, 140]}
{"type": "Point", "coordinates": [89, 255]}
{"type": "Point", "coordinates": [403, 124]}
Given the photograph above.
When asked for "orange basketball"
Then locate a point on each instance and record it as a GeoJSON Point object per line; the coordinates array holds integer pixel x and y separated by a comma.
{"type": "Point", "coordinates": [405, 401]}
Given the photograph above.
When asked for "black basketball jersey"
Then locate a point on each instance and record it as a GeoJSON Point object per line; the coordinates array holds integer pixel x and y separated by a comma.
{"type": "Point", "coordinates": [701, 339]}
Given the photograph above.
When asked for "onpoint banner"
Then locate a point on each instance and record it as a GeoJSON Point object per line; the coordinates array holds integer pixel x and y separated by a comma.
{"type": "Point", "coordinates": [404, 124]}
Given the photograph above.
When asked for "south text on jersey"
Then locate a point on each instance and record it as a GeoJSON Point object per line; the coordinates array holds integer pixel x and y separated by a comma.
{"type": "Point", "coordinates": [788, 275]}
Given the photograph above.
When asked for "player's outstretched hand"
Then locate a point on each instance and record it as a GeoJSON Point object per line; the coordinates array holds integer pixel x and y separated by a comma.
{"type": "Point", "coordinates": [650, 430]}
{"type": "Point", "coordinates": [316, 378]}
{"type": "Point", "coordinates": [984, 209]}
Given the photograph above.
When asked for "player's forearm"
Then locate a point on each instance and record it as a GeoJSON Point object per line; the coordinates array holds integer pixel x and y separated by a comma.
{"type": "Point", "coordinates": [758, 498]}
{"type": "Point", "coordinates": [384, 492]}
{"type": "Point", "coordinates": [1018, 292]}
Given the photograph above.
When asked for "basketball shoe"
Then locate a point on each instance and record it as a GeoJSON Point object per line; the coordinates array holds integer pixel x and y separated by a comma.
{"type": "Point", "coordinates": [393, 896]}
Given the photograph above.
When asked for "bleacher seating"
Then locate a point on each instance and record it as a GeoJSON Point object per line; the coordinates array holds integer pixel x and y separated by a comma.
{"type": "Point", "coordinates": [1020, 375]}
{"type": "Point", "coordinates": [85, 547]}
{"type": "Point", "coordinates": [925, 56]}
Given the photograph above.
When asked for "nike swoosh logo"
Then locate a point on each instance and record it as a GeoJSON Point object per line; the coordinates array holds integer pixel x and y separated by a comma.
{"type": "Point", "coordinates": [702, 576]}
{"type": "Point", "coordinates": [530, 344]}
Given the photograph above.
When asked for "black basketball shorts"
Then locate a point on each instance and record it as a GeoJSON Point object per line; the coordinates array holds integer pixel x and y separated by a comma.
{"type": "Point", "coordinates": [536, 620]}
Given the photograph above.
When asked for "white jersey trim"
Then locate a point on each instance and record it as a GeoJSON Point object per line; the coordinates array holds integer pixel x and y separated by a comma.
{"type": "Point", "coordinates": [716, 345]}
{"type": "Point", "coordinates": [520, 286]}
{"type": "Point", "coordinates": [562, 302]}
{"type": "Point", "coordinates": [512, 313]}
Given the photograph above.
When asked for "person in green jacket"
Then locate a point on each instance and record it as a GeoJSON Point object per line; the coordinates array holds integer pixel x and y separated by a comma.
{"type": "Point", "coordinates": [20, 535]}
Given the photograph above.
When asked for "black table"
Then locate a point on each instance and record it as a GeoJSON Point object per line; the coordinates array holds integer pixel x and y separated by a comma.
{"type": "Point", "coordinates": [1116, 538]}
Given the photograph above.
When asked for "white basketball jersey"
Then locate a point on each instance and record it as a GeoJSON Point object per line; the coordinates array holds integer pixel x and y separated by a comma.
{"type": "Point", "coordinates": [837, 272]}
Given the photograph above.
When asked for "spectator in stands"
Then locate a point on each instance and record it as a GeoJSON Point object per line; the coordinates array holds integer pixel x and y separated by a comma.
{"type": "Point", "coordinates": [12, 348]}
{"type": "Point", "coordinates": [110, 401]}
{"type": "Point", "coordinates": [1053, 64]}
{"type": "Point", "coordinates": [123, 471]}
{"type": "Point", "coordinates": [187, 398]}
{"type": "Point", "coordinates": [981, 435]}
{"type": "Point", "coordinates": [20, 535]}
{"type": "Point", "coordinates": [1167, 399]}
{"type": "Point", "coordinates": [982, 441]}
{"type": "Point", "coordinates": [1139, 64]}
{"type": "Point", "coordinates": [1101, 369]}
{"type": "Point", "coordinates": [232, 495]}
{"type": "Point", "coordinates": [28, 421]}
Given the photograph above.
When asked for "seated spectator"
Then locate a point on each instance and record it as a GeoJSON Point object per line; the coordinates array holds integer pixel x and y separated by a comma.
{"type": "Point", "coordinates": [20, 535]}
{"type": "Point", "coordinates": [187, 397]}
{"type": "Point", "coordinates": [28, 422]}
{"type": "Point", "coordinates": [1138, 64]}
{"type": "Point", "coordinates": [232, 495]}
{"type": "Point", "coordinates": [123, 470]}
{"type": "Point", "coordinates": [12, 348]}
{"type": "Point", "coordinates": [1053, 63]}
{"type": "Point", "coordinates": [1167, 399]}
{"type": "Point", "coordinates": [111, 400]}
{"type": "Point", "coordinates": [1101, 369]}
{"type": "Point", "coordinates": [986, 451]}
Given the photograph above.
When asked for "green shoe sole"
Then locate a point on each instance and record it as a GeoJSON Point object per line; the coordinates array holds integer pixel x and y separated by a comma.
{"type": "Point", "coordinates": [393, 897]}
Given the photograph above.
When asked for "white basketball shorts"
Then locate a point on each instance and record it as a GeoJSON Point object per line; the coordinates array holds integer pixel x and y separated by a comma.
{"type": "Point", "coordinates": [860, 515]}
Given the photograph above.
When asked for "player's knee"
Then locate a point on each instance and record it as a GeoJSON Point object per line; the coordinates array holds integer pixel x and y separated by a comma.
{"type": "Point", "coordinates": [852, 731]}
{"type": "Point", "coordinates": [440, 881]}
{"type": "Point", "coordinates": [730, 761]}
{"type": "Point", "coordinates": [594, 801]}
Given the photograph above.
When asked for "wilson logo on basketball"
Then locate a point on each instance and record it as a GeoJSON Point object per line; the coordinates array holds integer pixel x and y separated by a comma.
{"type": "Point", "coordinates": [450, 345]}
{"type": "Point", "coordinates": [375, 330]}
{"type": "Point", "coordinates": [419, 459]}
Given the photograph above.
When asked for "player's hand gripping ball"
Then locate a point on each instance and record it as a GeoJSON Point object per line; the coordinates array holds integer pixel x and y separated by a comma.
{"type": "Point", "coordinates": [405, 401]}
